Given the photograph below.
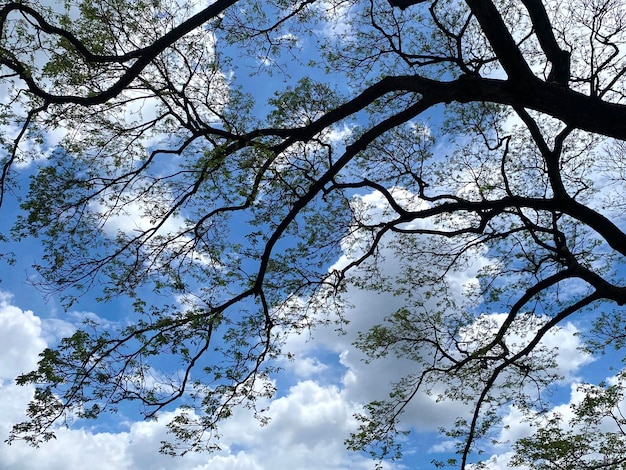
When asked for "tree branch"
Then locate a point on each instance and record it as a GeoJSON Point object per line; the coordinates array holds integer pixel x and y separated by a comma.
{"type": "Point", "coordinates": [559, 58]}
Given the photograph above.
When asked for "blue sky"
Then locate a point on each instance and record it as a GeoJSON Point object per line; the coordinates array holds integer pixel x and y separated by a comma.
{"type": "Point", "coordinates": [319, 391]}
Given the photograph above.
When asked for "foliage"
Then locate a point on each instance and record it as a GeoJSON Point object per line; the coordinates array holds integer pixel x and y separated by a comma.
{"type": "Point", "coordinates": [191, 159]}
{"type": "Point", "coordinates": [595, 438]}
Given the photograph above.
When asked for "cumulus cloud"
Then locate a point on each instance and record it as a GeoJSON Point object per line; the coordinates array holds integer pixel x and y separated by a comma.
{"type": "Point", "coordinates": [309, 423]}
{"type": "Point", "coordinates": [362, 382]}
{"type": "Point", "coordinates": [20, 338]}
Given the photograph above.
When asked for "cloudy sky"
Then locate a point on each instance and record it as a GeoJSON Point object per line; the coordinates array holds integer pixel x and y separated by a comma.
{"type": "Point", "coordinates": [318, 392]}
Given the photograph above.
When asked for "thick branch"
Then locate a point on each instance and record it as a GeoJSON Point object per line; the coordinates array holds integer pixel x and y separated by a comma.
{"type": "Point", "coordinates": [148, 55]}
{"type": "Point", "coordinates": [559, 58]}
{"type": "Point", "coordinates": [500, 39]}
{"type": "Point", "coordinates": [573, 108]}
{"type": "Point", "coordinates": [404, 4]}
{"type": "Point", "coordinates": [497, 33]}
{"type": "Point", "coordinates": [71, 38]}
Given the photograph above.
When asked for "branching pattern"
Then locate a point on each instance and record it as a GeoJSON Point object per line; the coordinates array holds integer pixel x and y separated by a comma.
{"type": "Point", "coordinates": [238, 216]}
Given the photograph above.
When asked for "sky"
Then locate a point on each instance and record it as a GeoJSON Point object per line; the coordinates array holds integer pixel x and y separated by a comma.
{"type": "Point", "coordinates": [319, 391]}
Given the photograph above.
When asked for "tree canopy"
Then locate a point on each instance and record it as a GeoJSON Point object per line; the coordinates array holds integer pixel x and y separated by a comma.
{"type": "Point", "coordinates": [218, 155]}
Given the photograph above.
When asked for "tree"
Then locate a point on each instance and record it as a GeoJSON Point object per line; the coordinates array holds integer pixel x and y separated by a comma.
{"type": "Point", "coordinates": [161, 123]}
{"type": "Point", "coordinates": [590, 443]}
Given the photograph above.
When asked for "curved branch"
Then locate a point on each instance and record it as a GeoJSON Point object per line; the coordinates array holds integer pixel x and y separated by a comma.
{"type": "Point", "coordinates": [147, 55]}
{"type": "Point", "coordinates": [360, 144]}
{"type": "Point", "coordinates": [521, 354]}
{"type": "Point", "coordinates": [46, 27]}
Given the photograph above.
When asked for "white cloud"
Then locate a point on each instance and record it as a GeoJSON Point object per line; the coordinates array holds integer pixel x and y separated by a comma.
{"type": "Point", "coordinates": [139, 216]}
{"type": "Point", "coordinates": [307, 367]}
{"type": "Point", "coordinates": [443, 446]}
{"type": "Point", "coordinates": [308, 423]}
{"type": "Point", "coordinates": [307, 429]}
{"type": "Point", "coordinates": [363, 382]}
{"type": "Point", "coordinates": [134, 218]}
{"type": "Point", "coordinates": [337, 19]}
{"type": "Point", "coordinates": [499, 462]}
{"type": "Point", "coordinates": [20, 338]}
